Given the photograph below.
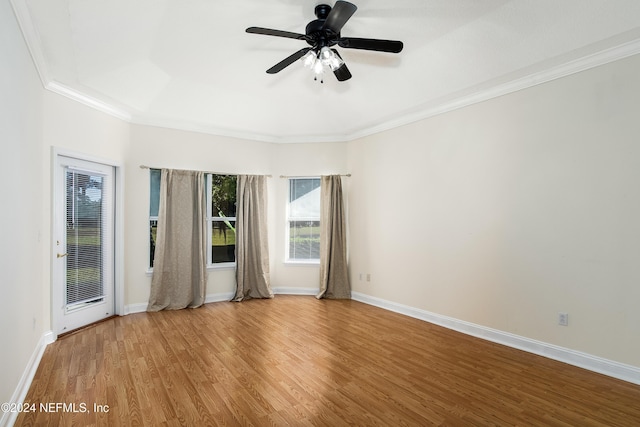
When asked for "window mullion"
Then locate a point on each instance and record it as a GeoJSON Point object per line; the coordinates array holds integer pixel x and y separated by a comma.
{"type": "Point", "coordinates": [209, 222]}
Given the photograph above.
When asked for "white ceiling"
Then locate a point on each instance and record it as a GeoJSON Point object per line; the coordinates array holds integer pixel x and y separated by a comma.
{"type": "Point", "coordinates": [189, 64]}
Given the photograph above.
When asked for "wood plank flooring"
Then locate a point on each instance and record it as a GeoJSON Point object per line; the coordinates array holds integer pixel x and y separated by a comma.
{"type": "Point", "coordinates": [297, 361]}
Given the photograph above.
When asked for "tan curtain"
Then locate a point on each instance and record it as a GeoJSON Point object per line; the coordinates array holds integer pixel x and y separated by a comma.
{"type": "Point", "coordinates": [334, 278]}
{"type": "Point", "coordinates": [252, 245]}
{"type": "Point", "coordinates": [180, 263]}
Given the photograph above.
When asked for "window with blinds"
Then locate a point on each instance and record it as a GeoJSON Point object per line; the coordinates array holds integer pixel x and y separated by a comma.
{"type": "Point", "coordinates": [303, 218]}
{"type": "Point", "coordinates": [85, 210]}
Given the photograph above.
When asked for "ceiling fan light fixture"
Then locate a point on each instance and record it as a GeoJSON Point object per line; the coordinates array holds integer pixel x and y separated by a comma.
{"type": "Point", "coordinates": [336, 62]}
{"type": "Point", "coordinates": [330, 59]}
{"type": "Point", "coordinates": [315, 61]}
{"type": "Point", "coordinates": [325, 55]}
{"type": "Point", "coordinates": [309, 59]}
{"type": "Point", "coordinates": [318, 67]}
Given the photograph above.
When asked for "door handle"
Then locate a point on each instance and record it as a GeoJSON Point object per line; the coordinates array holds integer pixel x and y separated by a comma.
{"type": "Point", "coordinates": [61, 255]}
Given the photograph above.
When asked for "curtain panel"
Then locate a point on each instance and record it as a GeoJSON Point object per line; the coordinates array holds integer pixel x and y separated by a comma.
{"type": "Point", "coordinates": [252, 244]}
{"type": "Point", "coordinates": [180, 263]}
{"type": "Point", "coordinates": [334, 277]}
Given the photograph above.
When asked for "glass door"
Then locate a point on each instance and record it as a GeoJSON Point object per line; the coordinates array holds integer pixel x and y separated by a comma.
{"type": "Point", "coordinates": [84, 252]}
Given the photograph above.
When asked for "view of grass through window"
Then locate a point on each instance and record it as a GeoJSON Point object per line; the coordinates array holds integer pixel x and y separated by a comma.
{"type": "Point", "coordinates": [223, 213]}
{"type": "Point", "coordinates": [83, 238]}
{"type": "Point", "coordinates": [304, 219]}
{"type": "Point", "coordinates": [221, 216]}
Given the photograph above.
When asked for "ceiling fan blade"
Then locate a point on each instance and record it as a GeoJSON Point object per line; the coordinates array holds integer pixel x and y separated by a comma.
{"type": "Point", "coordinates": [392, 46]}
{"type": "Point", "coordinates": [339, 16]}
{"type": "Point", "coordinates": [342, 73]}
{"type": "Point", "coordinates": [277, 33]}
{"type": "Point", "coordinates": [288, 61]}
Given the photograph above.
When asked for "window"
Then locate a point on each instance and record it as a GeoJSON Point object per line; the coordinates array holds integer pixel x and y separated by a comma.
{"type": "Point", "coordinates": [303, 218]}
{"type": "Point", "coordinates": [154, 192]}
{"type": "Point", "coordinates": [221, 216]}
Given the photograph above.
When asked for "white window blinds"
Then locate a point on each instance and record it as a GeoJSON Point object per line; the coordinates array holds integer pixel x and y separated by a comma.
{"type": "Point", "coordinates": [86, 200]}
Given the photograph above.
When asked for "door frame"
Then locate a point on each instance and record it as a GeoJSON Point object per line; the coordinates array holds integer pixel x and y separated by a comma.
{"type": "Point", "coordinates": [118, 246]}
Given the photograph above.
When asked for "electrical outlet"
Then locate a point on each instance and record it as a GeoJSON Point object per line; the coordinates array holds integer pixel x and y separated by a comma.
{"type": "Point", "coordinates": [563, 319]}
{"type": "Point", "coordinates": [368, 277]}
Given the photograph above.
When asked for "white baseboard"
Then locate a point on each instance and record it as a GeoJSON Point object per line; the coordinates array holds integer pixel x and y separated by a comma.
{"type": "Point", "coordinates": [142, 307]}
{"type": "Point", "coordinates": [9, 418]}
{"type": "Point", "coordinates": [135, 308]}
{"type": "Point", "coordinates": [295, 291]}
{"type": "Point", "coordinates": [572, 357]}
{"type": "Point", "coordinates": [226, 296]}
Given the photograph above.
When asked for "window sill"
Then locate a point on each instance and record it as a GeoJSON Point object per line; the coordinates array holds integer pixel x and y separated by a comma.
{"type": "Point", "coordinates": [221, 266]}
{"type": "Point", "coordinates": [302, 262]}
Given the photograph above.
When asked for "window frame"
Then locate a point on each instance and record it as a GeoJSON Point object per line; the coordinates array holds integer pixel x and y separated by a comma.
{"type": "Point", "coordinates": [210, 219]}
{"type": "Point", "coordinates": [152, 218]}
{"type": "Point", "coordinates": [289, 219]}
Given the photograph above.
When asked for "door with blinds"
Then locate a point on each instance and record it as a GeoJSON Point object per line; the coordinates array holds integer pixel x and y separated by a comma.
{"type": "Point", "coordinates": [83, 264]}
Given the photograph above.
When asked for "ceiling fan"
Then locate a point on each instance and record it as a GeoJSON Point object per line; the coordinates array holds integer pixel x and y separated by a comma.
{"type": "Point", "coordinates": [322, 34]}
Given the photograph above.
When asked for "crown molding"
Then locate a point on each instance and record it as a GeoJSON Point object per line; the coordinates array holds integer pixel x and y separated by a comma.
{"type": "Point", "coordinates": [584, 63]}
{"type": "Point", "coordinates": [476, 96]}
{"type": "Point", "coordinates": [192, 126]}
{"type": "Point", "coordinates": [31, 38]}
{"type": "Point", "coordinates": [472, 96]}
{"type": "Point", "coordinates": [89, 101]}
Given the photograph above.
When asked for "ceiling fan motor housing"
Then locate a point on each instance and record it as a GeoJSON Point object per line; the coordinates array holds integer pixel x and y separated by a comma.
{"type": "Point", "coordinates": [322, 11]}
{"type": "Point", "coordinates": [318, 35]}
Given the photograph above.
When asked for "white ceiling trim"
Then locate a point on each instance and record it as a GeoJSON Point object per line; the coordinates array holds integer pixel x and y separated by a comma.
{"type": "Point", "coordinates": [582, 64]}
{"type": "Point", "coordinates": [89, 101]}
{"type": "Point", "coordinates": [31, 38]}
{"type": "Point", "coordinates": [473, 96]}
{"type": "Point", "coordinates": [190, 126]}
{"type": "Point", "coordinates": [572, 67]}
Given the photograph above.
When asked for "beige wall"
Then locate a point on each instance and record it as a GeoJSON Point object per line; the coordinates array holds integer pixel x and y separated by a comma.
{"type": "Point", "coordinates": [74, 129]}
{"type": "Point", "coordinates": [507, 212]}
{"type": "Point", "coordinates": [159, 147]}
{"type": "Point", "coordinates": [300, 160]}
{"type": "Point", "coordinates": [22, 321]}
{"type": "Point", "coordinates": [166, 148]}
{"type": "Point", "coordinates": [33, 122]}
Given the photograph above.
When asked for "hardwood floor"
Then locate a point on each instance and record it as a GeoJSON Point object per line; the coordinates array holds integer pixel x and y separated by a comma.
{"type": "Point", "coordinates": [295, 360]}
